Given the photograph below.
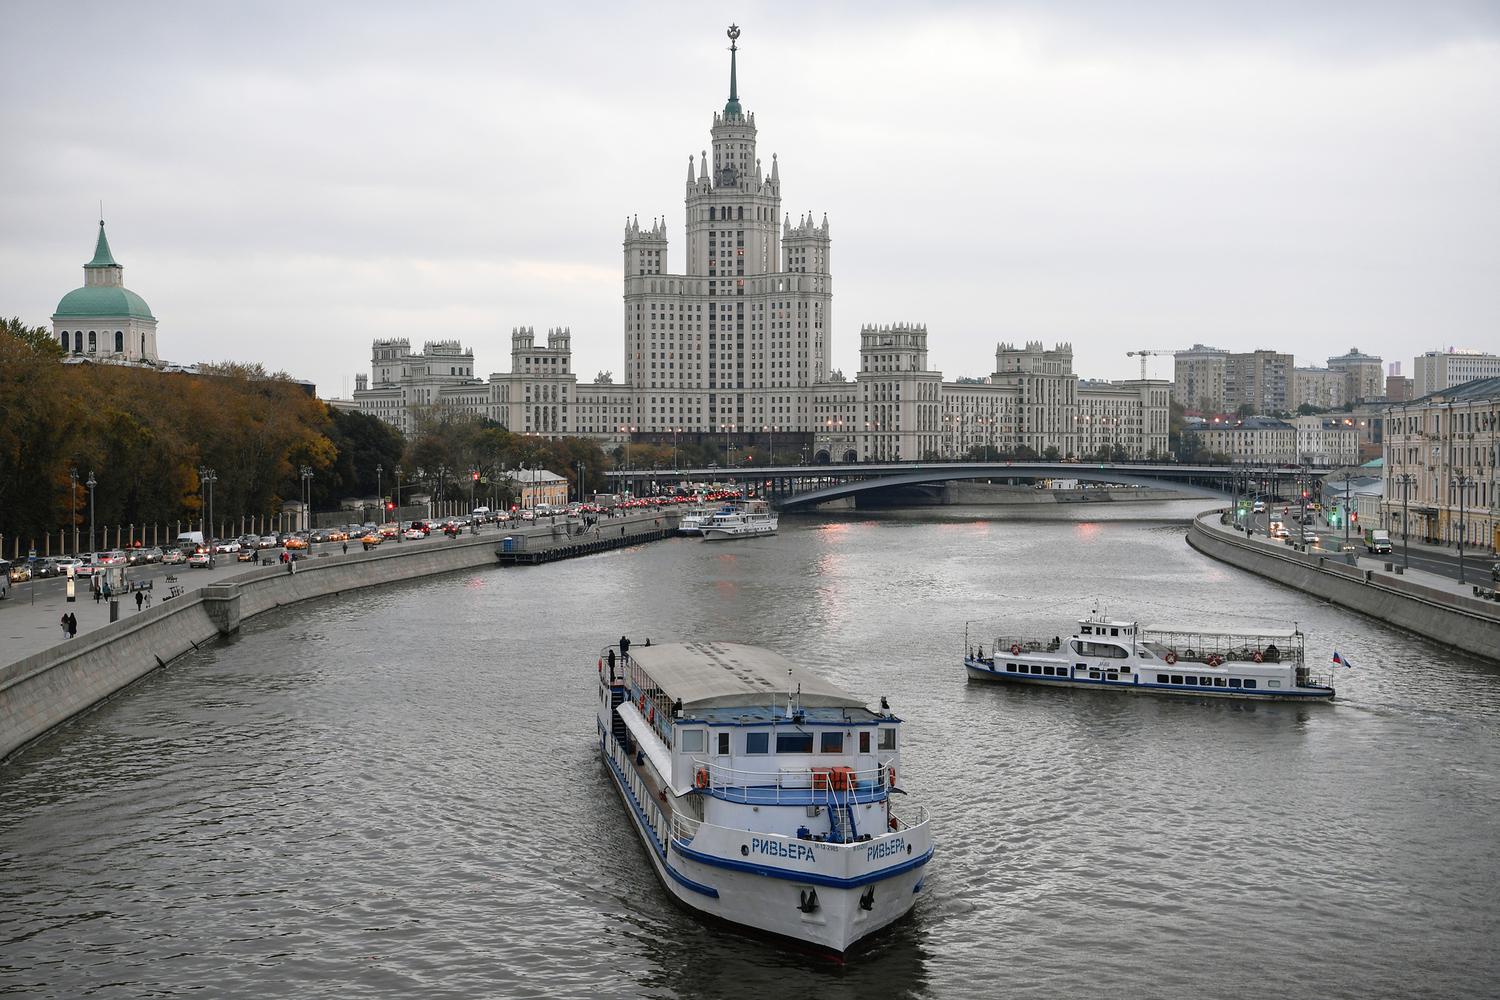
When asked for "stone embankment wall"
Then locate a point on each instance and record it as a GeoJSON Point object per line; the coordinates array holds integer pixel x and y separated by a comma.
{"type": "Point", "coordinates": [50, 687]}
{"type": "Point", "coordinates": [1453, 619]}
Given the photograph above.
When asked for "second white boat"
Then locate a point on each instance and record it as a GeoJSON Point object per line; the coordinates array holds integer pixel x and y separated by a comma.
{"type": "Point", "coordinates": [750, 519]}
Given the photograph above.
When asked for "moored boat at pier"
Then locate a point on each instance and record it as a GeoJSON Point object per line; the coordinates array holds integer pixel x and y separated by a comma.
{"type": "Point", "coordinates": [747, 519]}
{"type": "Point", "coordinates": [1113, 655]}
{"type": "Point", "coordinates": [770, 809]}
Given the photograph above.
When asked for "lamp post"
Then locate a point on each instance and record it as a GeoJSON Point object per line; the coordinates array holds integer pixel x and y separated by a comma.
{"type": "Point", "coordinates": [1407, 481]}
{"type": "Point", "coordinates": [73, 500]}
{"type": "Point", "coordinates": [307, 474]}
{"type": "Point", "coordinates": [397, 511]}
{"type": "Point", "coordinates": [1462, 482]}
{"type": "Point", "coordinates": [379, 495]}
{"type": "Point", "coordinates": [1346, 511]}
{"type": "Point", "coordinates": [91, 484]}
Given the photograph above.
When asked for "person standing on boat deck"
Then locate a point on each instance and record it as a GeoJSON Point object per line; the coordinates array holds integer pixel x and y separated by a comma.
{"type": "Point", "coordinates": [624, 645]}
{"type": "Point", "coordinates": [611, 666]}
{"type": "Point", "coordinates": [648, 640]}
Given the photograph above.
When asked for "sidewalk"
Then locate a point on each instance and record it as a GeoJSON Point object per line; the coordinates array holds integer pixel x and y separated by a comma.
{"type": "Point", "coordinates": [1365, 561]}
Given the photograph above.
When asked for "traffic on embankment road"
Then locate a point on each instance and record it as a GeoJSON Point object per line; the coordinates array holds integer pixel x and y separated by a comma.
{"type": "Point", "coordinates": [1464, 616]}
{"type": "Point", "coordinates": [47, 677]}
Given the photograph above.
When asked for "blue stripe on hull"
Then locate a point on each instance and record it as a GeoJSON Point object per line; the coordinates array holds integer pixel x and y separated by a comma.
{"type": "Point", "coordinates": [648, 833]}
{"type": "Point", "coordinates": [808, 878]}
{"type": "Point", "coordinates": [989, 673]}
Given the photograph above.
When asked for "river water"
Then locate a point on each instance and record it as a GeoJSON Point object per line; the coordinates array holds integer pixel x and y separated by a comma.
{"type": "Point", "coordinates": [395, 793]}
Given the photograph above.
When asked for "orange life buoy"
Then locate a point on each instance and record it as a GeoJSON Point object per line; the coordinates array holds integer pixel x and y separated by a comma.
{"type": "Point", "coordinates": [893, 776]}
{"type": "Point", "coordinates": [1015, 649]}
{"type": "Point", "coordinates": [1257, 657]}
{"type": "Point", "coordinates": [1171, 658]}
{"type": "Point", "coordinates": [1213, 660]}
{"type": "Point", "coordinates": [701, 778]}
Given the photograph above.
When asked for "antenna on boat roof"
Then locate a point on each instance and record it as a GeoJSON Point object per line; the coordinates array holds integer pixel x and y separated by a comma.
{"type": "Point", "coordinates": [788, 692]}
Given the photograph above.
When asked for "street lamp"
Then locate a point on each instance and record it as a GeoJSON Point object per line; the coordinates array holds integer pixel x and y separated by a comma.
{"type": "Point", "coordinates": [398, 503]}
{"type": "Point", "coordinates": [91, 484]}
{"type": "Point", "coordinates": [379, 495]}
{"type": "Point", "coordinates": [73, 500]}
{"type": "Point", "coordinates": [1462, 482]}
{"type": "Point", "coordinates": [1407, 481]}
{"type": "Point", "coordinates": [307, 474]}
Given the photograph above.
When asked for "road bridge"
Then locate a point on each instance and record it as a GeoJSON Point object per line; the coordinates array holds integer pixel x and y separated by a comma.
{"type": "Point", "coordinates": [795, 486]}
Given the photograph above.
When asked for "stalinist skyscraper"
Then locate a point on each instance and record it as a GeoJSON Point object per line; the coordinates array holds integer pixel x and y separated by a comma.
{"type": "Point", "coordinates": [735, 340]}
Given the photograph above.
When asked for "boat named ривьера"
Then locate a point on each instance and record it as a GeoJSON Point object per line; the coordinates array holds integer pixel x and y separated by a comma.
{"type": "Point", "coordinates": [765, 807]}
{"type": "Point", "coordinates": [1112, 655]}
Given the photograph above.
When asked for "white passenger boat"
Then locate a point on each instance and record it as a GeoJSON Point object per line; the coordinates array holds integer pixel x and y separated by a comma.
{"type": "Point", "coordinates": [691, 522]}
{"type": "Point", "coordinates": [747, 519]}
{"type": "Point", "coordinates": [762, 793]}
{"type": "Point", "coordinates": [1111, 655]}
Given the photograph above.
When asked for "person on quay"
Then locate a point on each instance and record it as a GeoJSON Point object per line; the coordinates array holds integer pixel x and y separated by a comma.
{"type": "Point", "coordinates": [140, 599]}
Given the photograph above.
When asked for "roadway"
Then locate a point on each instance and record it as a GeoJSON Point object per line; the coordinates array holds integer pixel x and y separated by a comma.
{"type": "Point", "coordinates": [1478, 563]}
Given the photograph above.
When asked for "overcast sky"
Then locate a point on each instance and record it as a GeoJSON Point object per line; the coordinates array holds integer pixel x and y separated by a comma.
{"type": "Point", "coordinates": [284, 183]}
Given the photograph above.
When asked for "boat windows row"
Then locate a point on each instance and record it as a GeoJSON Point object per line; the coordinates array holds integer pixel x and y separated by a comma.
{"type": "Point", "coordinates": [827, 741]}
{"type": "Point", "coordinates": [1234, 682]}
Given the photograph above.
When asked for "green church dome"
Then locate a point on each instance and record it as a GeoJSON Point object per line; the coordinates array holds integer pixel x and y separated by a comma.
{"type": "Point", "coordinates": [102, 301]}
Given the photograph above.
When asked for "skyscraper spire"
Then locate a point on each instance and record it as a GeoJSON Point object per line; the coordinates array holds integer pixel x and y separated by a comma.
{"type": "Point", "coordinates": [733, 107]}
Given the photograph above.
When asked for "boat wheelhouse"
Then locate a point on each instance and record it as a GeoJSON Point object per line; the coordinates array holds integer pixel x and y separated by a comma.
{"type": "Point", "coordinates": [762, 793]}
{"type": "Point", "coordinates": [1107, 654]}
{"type": "Point", "coordinates": [747, 519]}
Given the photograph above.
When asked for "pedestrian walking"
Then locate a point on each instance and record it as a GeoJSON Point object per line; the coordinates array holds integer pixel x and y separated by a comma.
{"type": "Point", "coordinates": [72, 624]}
{"type": "Point", "coordinates": [346, 548]}
{"type": "Point", "coordinates": [140, 599]}
{"type": "Point", "coordinates": [64, 624]}
{"type": "Point", "coordinates": [98, 592]}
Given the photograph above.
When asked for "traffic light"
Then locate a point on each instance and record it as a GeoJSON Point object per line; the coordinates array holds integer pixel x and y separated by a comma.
{"type": "Point", "coordinates": [1333, 519]}
{"type": "Point", "coordinates": [474, 476]}
{"type": "Point", "coordinates": [389, 505]}
{"type": "Point", "coordinates": [1354, 518]}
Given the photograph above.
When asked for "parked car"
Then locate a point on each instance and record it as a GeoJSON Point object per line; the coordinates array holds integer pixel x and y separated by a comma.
{"type": "Point", "coordinates": [202, 559]}
{"type": "Point", "coordinates": [372, 539]}
{"type": "Point", "coordinates": [173, 557]}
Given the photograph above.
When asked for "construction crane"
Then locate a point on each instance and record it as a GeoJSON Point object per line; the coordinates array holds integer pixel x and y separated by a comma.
{"type": "Point", "coordinates": [1143, 355]}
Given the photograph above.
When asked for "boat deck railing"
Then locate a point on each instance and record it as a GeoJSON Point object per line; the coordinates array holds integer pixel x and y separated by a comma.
{"type": "Point", "coordinates": [1226, 647]}
{"type": "Point", "coordinates": [1014, 645]}
{"type": "Point", "coordinates": [790, 785]}
{"type": "Point", "coordinates": [685, 828]}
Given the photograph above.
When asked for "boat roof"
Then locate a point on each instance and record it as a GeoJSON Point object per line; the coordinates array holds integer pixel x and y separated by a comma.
{"type": "Point", "coordinates": [729, 674]}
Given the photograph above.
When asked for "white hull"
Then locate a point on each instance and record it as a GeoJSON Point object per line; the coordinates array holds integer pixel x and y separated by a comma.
{"type": "Point", "coordinates": [771, 904]}
{"type": "Point", "coordinates": [745, 531]}
{"type": "Point", "coordinates": [978, 669]}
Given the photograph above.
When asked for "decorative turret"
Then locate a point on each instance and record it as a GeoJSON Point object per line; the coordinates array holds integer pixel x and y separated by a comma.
{"type": "Point", "coordinates": [805, 246]}
{"type": "Point", "coordinates": [645, 249]}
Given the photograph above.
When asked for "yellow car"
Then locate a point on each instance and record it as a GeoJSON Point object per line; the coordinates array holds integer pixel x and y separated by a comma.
{"type": "Point", "coordinates": [371, 540]}
{"type": "Point", "coordinates": [296, 543]}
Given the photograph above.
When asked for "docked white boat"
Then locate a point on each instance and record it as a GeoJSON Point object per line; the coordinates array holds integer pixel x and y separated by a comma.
{"type": "Point", "coordinates": [691, 522]}
{"type": "Point", "coordinates": [748, 519]}
{"type": "Point", "coordinates": [762, 793]}
{"type": "Point", "coordinates": [1105, 654]}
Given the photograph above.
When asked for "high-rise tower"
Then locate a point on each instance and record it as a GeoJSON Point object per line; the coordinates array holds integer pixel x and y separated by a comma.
{"type": "Point", "coordinates": [734, 343]}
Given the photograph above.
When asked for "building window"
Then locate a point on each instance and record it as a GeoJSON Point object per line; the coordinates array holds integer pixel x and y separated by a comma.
{"type": "Point", "coordinates": [119, 341]}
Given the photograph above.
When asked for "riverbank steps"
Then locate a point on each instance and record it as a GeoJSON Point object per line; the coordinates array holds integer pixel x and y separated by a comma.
{"type": "Point", "coordinates": [1428, 605]}
{"type": "Point", "coordinates": [46, 689]}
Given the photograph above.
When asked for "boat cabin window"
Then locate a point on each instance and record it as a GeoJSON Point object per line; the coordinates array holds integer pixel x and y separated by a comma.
{"type": "Point", "coordinates": [794, 742]}
{"type": "Point", "coordinates": [692, 741]}
{"type": "Point", "coordinates": [757, 742]}
{"type": "Point", "coordinates": [864, 741]}
{"type": "Point", "coordinates": [887, 738]}
{"type": "Point", "coordinates": [1101, 649]}
{"type": "Point", "coordinates": [1234, 682]}
{"type": "Point", "coordinates": [1088, 630]}
{"type": "Point", "coordinates": [830, 742]}
{"type": "Point", "coordinates": [723, 744]}
{"type": "Point", "coordinates": [1218, 682]}
{"type": "Point", "coordinates": [1176, 679]}
{"type": "Point", "coordinates": [1162, 679]}
{"type": "Point", "coordinates": [1249, 682]}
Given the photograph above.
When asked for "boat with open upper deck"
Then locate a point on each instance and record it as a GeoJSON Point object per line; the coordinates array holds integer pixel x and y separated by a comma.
{"type": "Point", "coordinates": [746, 519]}
{"type": "Point", "coordinates": [761, 792]}
{"type": "Point", "coordinates": [1113, 655]}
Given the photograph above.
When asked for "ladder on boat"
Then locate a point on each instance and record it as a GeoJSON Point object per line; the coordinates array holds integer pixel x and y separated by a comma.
{"type": "Point", "coordinates": [842, 828]}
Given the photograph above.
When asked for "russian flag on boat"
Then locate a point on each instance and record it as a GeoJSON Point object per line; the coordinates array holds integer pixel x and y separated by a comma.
{"type": "Point", "coordinates": [1340, 661]}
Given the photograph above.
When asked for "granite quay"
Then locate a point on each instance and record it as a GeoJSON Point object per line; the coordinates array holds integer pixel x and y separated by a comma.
{"type": "Point", "coordinates": [52, 678]}
{"type": "Point", "coordinates": [1458, 615]}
